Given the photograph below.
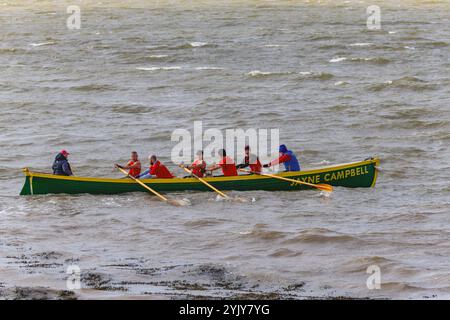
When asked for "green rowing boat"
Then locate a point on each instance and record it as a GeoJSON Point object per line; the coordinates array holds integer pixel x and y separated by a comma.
{"type": "Point", "coordinates": [361, 174]}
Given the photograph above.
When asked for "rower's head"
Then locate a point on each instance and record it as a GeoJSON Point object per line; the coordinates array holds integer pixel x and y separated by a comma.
{"type": "Point", "coordinates": [64, 153]}
{"type": "Point", "coordinates": [134, 156]}
{"type": "Point", "coordinates": [200, 154]}
{"type": "Point", "coordinates": [282, 149]}
{"type": "Point", "coordinates": [247, 150]}
{"type": "Point", "coordinates": [152, 159]}
{"type": "Point", "coordinates": [222, 153]}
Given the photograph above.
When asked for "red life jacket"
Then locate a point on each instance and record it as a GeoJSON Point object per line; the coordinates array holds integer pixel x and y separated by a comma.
{"type": "Point", "coordinates": [254, 166]}
{"type": "Point", "coordinates": [228, 166]}
{"type": "Point", "coordinates": [198, 167]}
{"type": "Point", "coordinates": [134, 172]}
{"type": "Point", "coordinates": [160, 171]}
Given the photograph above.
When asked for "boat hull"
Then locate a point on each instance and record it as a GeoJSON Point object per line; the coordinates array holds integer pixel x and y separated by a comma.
{"type": "Point", "coordinates": [352, 175]}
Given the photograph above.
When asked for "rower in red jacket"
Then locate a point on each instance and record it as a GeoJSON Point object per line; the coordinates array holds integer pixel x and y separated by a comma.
{"type": "Point", "coordinates": [226, 164]}
{"type": "Point", "coordinates": [134, 165]}
{"type": "Point", "coordinates": [198, 167]}
{"type": "Point", "coordinates": [156, 170]}
{"type": "Point", "coordinates": [250, 160]}
{"type": "Point", "coordinates": [288, 158]}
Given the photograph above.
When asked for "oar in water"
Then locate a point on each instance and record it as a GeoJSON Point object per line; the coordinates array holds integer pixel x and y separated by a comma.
{"type": "Point", "coordinates": [204, 182]}
{"type": "Point", "coordinates": [321, 186]}
{"type": "Point", "coordinates": [160, 196]}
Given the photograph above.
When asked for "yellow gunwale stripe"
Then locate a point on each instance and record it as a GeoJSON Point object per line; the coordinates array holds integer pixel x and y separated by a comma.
{"type": "Point", "coordinates": [213, 179]}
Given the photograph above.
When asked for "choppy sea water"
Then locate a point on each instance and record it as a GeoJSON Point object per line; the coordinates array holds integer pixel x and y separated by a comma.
{"type": "Point", "coordinates": [134, 72]}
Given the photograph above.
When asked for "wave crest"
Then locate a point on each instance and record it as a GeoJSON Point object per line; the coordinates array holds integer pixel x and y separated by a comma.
{"type": "Point", "coordinates": [407, 83]}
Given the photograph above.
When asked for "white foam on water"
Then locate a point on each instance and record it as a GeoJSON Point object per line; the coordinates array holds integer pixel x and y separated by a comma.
{"type": "Point", "coordinates": [379, 59]}
{"type": "Point", "coordinates": [338, 59]}
{"type": "Point", "coordinates": [40, 44]}
{"type": "Point", "coordinates": [198, 44]}
{"type": "Point", "coordinates": [323, 162]}
{"type": "Point", "coordinates": [185, 202]}
{"type": "Point", "coordinates": [219, 198]}
{"type": "Point", "coordinates": [256, 73]}
{"type": "Point", "coordinates": [111, 202]}
{"type": "Point", "coordinates": [158, 56]}
{"type": "Point", "coordinates": [209, 68]}
{"type": "Point", "coordinates": [325, 194]}
{"type": "Point", "coordinates": [158, 68]}
{"type": "Point", "coordinates": [361, 44]}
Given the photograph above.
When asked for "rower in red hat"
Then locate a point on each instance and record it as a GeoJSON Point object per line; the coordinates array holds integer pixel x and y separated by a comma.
{"type": "Point", "coordinates": [61, 164]}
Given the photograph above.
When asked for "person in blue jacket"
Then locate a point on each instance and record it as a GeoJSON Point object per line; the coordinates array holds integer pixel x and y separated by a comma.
{"type": "Point", "coordinates": [61, 166]}
{"type": "Point", "coordinates": [287, 157]}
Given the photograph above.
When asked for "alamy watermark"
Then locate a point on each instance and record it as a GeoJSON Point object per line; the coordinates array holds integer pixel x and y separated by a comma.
{"type": "Point", "coordinates": [73, 281]}
{"type": "Point", "coordinates": [73, 22]}
{"type": "Point", "coordinates": [374, 19]}
{"type": "Point", "coordinates": [374, 280]}
{"type": "Point", "coordinates": [262, 142]}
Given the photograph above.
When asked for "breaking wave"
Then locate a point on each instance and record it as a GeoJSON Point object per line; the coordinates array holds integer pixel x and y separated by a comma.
{"type": "Point", "coordinates": [374, 60]}
{"type": "Point", "coordinates": [361, 44]}
{"type": "Point", "coordinates": [263, 74]}
{"type": "Point", "coordinates": [284, 252]}
{"type": "Point", "coordinates": [321, 235]}
{"type": "Point", "coordinates": [94, 87]}
{"type": "Point", "coordinates": [260, 231]}
{"type": "Point", "coordinates": [158, 56]}
{"type": "Point", "coordinates": [209, 68]}
{"type": "Point", "coordinates": [407, 83]}
{"type": "Point", "coordinates": [40, 44]}
{"type": "Point", "coordinates": [316, 75]}
{"type": "Point", "coordinates": [338, 59]}
{"type": "Point", "coordinates": [158, 68]}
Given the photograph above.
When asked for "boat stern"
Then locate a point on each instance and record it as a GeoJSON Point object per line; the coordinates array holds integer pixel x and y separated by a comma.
{"type": "Point", "coordinates": [376, 166]}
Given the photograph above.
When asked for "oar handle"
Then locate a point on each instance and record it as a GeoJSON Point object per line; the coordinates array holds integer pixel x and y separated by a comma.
{"type": "Point", "coordinates": [203, 181]}
{"type": "Point", "coordinates": [142, 184]}
{"type": "Point", "coordinates": [322, 186]}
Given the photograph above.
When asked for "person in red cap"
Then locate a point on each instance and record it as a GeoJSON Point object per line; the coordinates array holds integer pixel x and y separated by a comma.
{"type": "Point", "coordinates": [61, 165]}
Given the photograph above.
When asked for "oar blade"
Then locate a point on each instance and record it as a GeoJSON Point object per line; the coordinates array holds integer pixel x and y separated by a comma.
{"type": "Point", "coordinates": [179, 202]}
{"type": "Point", "coordinates": [241, 200]}
{"type": "Point", "coordinates": [325, 187]}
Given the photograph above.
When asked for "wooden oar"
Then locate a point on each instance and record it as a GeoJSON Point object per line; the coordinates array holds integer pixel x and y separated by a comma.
{"type": "Point", "coordinates": [204, 182]}
{"type": "Point", "coordinates": [160, 196]}
{"type": "Point", "coordinates": [321, 186]}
